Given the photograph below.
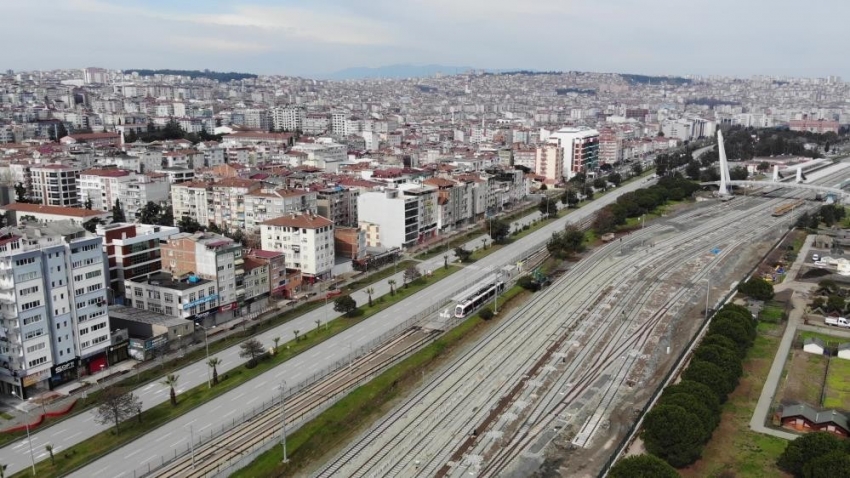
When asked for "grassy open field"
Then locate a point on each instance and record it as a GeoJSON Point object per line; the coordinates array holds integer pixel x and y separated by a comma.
{"type": "Point", "coordinates": [838, 385]}
{"type": "Point", "coordinates": [735, 450]}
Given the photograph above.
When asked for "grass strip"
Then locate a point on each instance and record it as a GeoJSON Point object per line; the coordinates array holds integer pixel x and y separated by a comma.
{"type": "Point", "coordinates": [342, 421]}
{"type": "Point", "coordinates": [176, 363]}
{"type": "Point", "coordinates": [107, 441]}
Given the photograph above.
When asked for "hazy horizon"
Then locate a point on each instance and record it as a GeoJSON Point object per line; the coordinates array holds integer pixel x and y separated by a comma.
{"type": "Point", "coordinates": [312, 39]}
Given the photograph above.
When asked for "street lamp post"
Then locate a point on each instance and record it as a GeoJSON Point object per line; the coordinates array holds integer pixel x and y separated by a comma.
{"type": "Point", "coordinates": [207, 347]}
{"type": "Point", "coordinates": [192, 444]}
{"type": "Point", "coordinates": [29, 440]}
{"type": "Point", "coordinates": [283, 419]}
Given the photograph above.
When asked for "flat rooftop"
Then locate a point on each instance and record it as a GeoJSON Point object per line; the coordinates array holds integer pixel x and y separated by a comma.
{"type": "Point", "coordinates": [166, 280]}
{"type": "Point", "coordinates": [142, 316]}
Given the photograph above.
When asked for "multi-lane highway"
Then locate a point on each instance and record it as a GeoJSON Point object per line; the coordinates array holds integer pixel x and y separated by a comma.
{"type": "Point", "coordinates": [160, 443]}
{"type": "Point", "coordinates": [562, 362]}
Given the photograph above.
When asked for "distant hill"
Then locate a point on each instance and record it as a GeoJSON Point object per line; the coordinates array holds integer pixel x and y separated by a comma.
{"type": "Point", "coordinates": [394, 71]}
{"type": "Point", "coordinates": [212, 75]}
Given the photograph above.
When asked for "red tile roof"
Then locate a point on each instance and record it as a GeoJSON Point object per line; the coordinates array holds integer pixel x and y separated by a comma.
{"type": "Point", "coordinates": [54, 210]}
{"type": "Point", "coordinates": [109, 173]}
{"type": "Point", "coordinates": [302, 221]}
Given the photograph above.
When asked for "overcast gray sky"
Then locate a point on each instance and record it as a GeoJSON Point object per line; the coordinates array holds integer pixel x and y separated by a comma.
{"type": "Point", "coordinates": [725, 37]}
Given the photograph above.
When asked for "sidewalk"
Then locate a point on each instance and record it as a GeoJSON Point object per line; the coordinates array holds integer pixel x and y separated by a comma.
{"type": "Point", "coordinates": [60, 398]}
{"type": "Point", "coordinates": [771, 384]}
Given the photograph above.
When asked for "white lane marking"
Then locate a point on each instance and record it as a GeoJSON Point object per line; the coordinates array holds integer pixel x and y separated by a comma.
{"type": "Point", "coordinates": [132, 454]}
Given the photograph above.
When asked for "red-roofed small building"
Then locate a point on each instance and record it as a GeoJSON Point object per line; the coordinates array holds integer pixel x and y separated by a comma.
{"type": "Point", "coordinates": [94, 139]}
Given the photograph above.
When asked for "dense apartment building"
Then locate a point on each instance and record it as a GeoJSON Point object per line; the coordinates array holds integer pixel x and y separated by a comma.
{"type": "Point", "coordinates": [55, 326]}
{"type": "Point", "coordinates": [814, 126]}
{"type": "Point", "coordinates": [132, 251]}
{"type": "Point", "coordinates": [405, 216]}
{"type": "Point", "coordinates": [187, 297]}
{"type": "Point", "coordinates": [307, 240]}
{"type": "Point", "coordinates": [283, 282]}
{"type": "Point", "coordinates": [209, 256]}
{"type": "Point", "coordinates": [288, 118]}
{"type": "Point", "coordinates": [262, 205]}
{"type": "Point", "coordinates": [226, 202]}
{"type": "Point", "coordinates": [580, 146]}
{"type": "Point", "coordinates": [339, 204]}
{"type": "Point", "coordinates": [145, 188]}
{"type": "Point", "coordinates": [55, 185]}
{"type": "Point", "coordinates": [549, 163]}
{"type": "Point", "coordinates": [101, 187]}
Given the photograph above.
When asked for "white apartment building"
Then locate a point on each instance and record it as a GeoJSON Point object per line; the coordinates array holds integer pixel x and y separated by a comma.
{"type": "Point", "coordinates": [326, 156]}
{"type": "Point", "coordinates": [55, 326]}
{"type": "Point", "coordinates": [189, 199]}
{"type": "Point", "coordinates": [580, 149]}
{"type": "Point", "coordinates": [288, 118]}
{"type": "Point", "coordinates": [101, 186]}
{"type": "Point", "coordinates": [404, 217]}
{"type": "Point", "coordinates": [187, 297]}
{"type": "Point", "coordinates": [316, 124]}
{"type": "Point", "coordinates": [145, 188]}
{"type": "Point", "coordinates": [260, 206]}
{"type": "Point", "coordinates": [55, 185]}
{"type": "Point", "coordinates": [306, 240]}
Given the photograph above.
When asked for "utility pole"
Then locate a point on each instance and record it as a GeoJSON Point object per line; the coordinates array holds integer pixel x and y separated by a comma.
{"type": "Point", "coordinates": [707, 293]}
{"type": "Point", "coordinates": [192, 444]}
{"type": "Point", "coordinates": [283, 420]}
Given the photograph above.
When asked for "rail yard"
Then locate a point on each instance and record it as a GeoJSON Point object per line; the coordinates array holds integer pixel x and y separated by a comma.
{"type": "Point", "coordinates": [559, 366]}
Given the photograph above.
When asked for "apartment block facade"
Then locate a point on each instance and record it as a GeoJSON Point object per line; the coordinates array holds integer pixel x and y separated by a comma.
{"type": "Point", "coordinates": [53, 306]}
{"type": "Point", "coordinates": [306, 240]}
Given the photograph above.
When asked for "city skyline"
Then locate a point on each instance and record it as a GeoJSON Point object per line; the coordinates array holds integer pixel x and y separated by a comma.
{"type": "Point", "coordinates": [317, 39]}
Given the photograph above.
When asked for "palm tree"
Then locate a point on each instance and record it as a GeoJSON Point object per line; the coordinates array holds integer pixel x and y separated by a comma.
{"type": "Point", "coordinates": [214, 362]}
{"type": "Point", "coordinates": [171, 382]}
{"type": "Point", "coordinates": [296, 332]}
{"type": "Point", "coordinates": [49, 448]}
{"type": "Point", "coordinates": [276, 340]}
{"type": "Point", "coordinates": [392, 284]}
{"type": "Point", "coordinates": [370, 291]}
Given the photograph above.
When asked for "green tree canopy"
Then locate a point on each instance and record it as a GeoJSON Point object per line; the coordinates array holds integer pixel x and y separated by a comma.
{"type": "Point", "coordinates": [498, 230]}
{"type": "Point", "coordinates": [712, 375]}
{"type": "Point", "coordinates": [118, 212]}
{"type": "Point", "coordinates": [832, 465]}
{"type": "Point", "coordinates": [345, 305]}
{"type": "Point", "coordinates": [642, 466]}
{"type": "Point", "coordinates": [757, 288]}
{"type": "Point", "coordinates": [805, 449]}
{"type": "Point", "coordinates": [673, 434]}
{"type": "Point", "coordinates": [697, 389]}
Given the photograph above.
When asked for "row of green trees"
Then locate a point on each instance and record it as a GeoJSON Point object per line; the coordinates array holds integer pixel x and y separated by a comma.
{"type": "Point", "coordinates": [681, 423]}
{"type": "Point", "coordinates": [643, 201]}
{"type": "Point", "coordinates": [828, 215]}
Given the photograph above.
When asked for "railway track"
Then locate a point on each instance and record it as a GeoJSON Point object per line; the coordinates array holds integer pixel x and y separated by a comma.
{"type": "Point", "coordinates": [210, 458]}
{"type": "Point", "coordinates": [410, 448]}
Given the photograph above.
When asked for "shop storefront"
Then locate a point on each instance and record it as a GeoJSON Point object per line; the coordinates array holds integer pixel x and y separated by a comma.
{"type": "Point", "coordinates": [63, 373]}
{"type": "Point", "coordinates": [94, 364]}
{"type": "Point", "coordinates": [118, 352]}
